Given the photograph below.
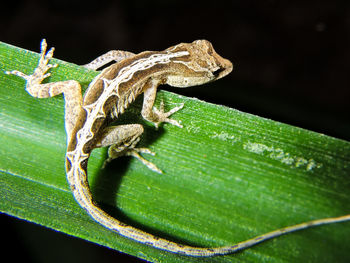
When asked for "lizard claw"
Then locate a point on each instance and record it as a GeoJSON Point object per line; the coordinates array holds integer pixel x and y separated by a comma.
{"type": "Point", "coordinates": [135, 153]}
{"type": "Point", "coordinates": [115, 152]}
{"type": "Point", "coordinates": [43, 66]}
{"type": "Point", "coordinates": [45, 57]}
{"type": "Point", "coordinates": [163, 116]}
{"type": "Point", "coordinates": [17, 73]}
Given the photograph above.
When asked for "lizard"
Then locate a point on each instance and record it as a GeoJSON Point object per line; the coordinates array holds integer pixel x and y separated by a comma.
{"type": "Point", "coordinates": [107, 96]}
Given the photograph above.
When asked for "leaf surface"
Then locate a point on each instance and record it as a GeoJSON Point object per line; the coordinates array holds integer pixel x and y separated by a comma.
{"type": "Point", "coordinates": [228, 176]}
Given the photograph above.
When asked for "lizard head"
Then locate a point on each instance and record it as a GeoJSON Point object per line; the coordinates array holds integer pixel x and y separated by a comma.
{"type": "Point", "coordinates": [199, 65]}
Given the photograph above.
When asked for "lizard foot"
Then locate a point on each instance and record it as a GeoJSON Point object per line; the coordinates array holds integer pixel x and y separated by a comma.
{"type": "Point", "coordinates": [135, 153]}
{"type": "Point", "coordinates": [39, 73]}
{"type": "Point", "coordinates": [163, 116]}
{"type": "Point", "coordinates": [128, 149]}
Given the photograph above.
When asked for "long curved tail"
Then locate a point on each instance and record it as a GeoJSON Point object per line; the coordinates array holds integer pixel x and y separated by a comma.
{"type": "Point", "coordinates": [77, 178]}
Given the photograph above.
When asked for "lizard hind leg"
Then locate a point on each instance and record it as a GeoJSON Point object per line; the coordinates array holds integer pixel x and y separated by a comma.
{"type": "Point", "coordinates": [122, 141]}
{"type": "Point", "coordinates": [113, 55]}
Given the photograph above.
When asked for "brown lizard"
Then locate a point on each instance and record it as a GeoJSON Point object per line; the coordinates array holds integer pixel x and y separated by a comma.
{"type": "Point", "coordinates": [108, 95]}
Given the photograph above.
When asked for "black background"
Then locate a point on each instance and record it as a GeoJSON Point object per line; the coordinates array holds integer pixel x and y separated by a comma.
{"type": "Point", "coordinates": [290, 64]}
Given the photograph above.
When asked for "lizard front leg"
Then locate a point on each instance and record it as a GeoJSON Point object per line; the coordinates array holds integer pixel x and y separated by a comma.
{"type": "Point", "coordinates": [70, 88]}
{"type": "Point", "coordinates": [152, 114]}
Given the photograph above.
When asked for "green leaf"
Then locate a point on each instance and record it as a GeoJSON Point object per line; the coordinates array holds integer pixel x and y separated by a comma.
{"type": "Point", "coordinates": [228, 176]}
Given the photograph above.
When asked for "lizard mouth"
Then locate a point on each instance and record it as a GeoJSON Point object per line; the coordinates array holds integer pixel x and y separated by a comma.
{"type": "Point", "coordinates": [225, 67]}
{"type": "Point", "coordinates": [219, 73]}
